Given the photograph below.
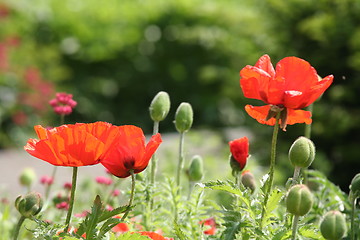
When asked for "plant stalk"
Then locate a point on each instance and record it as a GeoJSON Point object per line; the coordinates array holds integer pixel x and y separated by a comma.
{"type": "Point", "coordinates": [352, 224]}
{"type": "Point", "coordinates": [296, 175]}
{"type": "Point", "coordinates": [272, 166]}
{"type": "Point", "coordinates": [18, 226]}
{"type": "Point", "coordinates": [72, 198]}
{"type": "Point", "coordinates": [181, 159]}
{"type": "Point", "coordinates": [131, 195]}
{"type": "Point", "coordinates": [295, 226]}
{"type": "Point", "coordinates": [153, 158]}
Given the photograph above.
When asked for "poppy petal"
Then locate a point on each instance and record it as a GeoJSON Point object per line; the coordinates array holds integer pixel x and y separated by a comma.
{"type": "Point", "coordinates": [265, 64]}
{"type": "Point", "coordinates": [254, 83]}
{"type": "Point", "coordinates": [298, 116]}
{"type": "Point", "coordinates": [316, 91]}
{"type": "Point", "coordinates": [299, 75]}
{"type": "Point", "coordinates": [150, 149]}
{"type": "Point", "coordinates": [260, 114]}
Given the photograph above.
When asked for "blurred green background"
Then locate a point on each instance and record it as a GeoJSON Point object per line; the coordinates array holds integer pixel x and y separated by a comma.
{"type": "Point", "coordinates": [115, 55]}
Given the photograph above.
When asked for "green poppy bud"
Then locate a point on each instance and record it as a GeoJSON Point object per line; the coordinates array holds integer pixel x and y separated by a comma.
{"type": "Point", "coordinates": [355, 187]}
{"type": "Point", "coordinates": [333, 225]}
{"type": "Point", "coordinates": [248, 180]}
{"type": "Point", "coordinates": [27, 177]}
{"type": "Point", "coordinates": [196, 169]}
{"type": "Point", "coordinates": [160, 106]}
{"type": "Point", "coordinates": [302, 152]}
{"type": "Point", "coordinates": [29, 205]}
{"type": "Point", "coordinates": [299, 200]}
{"type": "Point", "coordinates": [183, 117]}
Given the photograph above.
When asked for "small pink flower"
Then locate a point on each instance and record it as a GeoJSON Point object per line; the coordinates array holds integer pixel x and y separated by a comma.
{"type": "Point", "coordinates": [63, 104]}
{"type": "Point", "coordinates": [115, 193]}
{"type": "Point", "coordinates": [103, 180]}
{"type": "Point", "coordinates": [67, 185]}
{"type": "Point", "coordinates": [82, 214]}
{"type": "Point", "coordinates": [63, 205]}
{"type": "Point", "coordinates": [46, 180]}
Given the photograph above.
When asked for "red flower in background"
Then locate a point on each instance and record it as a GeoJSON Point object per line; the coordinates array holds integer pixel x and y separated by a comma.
{"type": "Point", "coordinates": [154, 236]}
{"type": "Point", "coordinates": [293, 85]}
{"type": "Point", "coordinates": [128, 151]}
{"type": "Point", "coordinates": [71, 145]}
{"type": "Point", "coordinates": [239, 149]}
{"type": "Point", "coordinates": [209, 222]}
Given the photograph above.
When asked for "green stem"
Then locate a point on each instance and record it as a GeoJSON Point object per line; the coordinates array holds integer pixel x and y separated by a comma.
{"type": "Point", "coordinates": [296, 175]}
{"type": "Point", "coordinates": [181, 159]}
{"type": "Point", "coordinates": [72, 197]}
{"type": "Point", "coordinates": [272, 166]}
{"type": "Point", "coordinates": [353, 207]}
{"type": "Point", "coordinates": [308, 126]}
{"type": "Point", "coordinates": [295, 226]}
{"type": "Point", "coordinates": [153, 158]}
{"type": "Point", "coordinates": [18, 226]}
{"type": "Point", "coordinates": [131, 195]}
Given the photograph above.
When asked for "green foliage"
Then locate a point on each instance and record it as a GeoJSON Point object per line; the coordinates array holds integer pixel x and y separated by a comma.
{"type": "Point", "coordinates": [129, 236]}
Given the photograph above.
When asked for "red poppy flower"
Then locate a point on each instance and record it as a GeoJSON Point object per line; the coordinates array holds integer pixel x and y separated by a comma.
{"type": "Point", "coordinates": [293, 85]}
{"type": "Point", "coordinates": [121, 227]}
{"type": "Point", "coordinates": [209, 222]}
{"type": "Point", "coordinates": [154, 236]}
{"type": "Point", "coordinates": [128, 151]}
{"type": "Point", "coordinates": [71, 145]}
{"type": "Point", "coordinates": [239, 149]}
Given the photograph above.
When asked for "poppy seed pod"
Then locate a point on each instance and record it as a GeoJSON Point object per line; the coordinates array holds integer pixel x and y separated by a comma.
{"type": "Point", "coordinates": [333, 225]}
{"type": "Point", "coordinates": [302, 152]}
{"type": "Point", "coordinates": [183, 117]}
{"type": "Point", "coordinates": [27, 177]}
{"type": "Point", "coordinates": [299, 200]}
{"type": "Point", "coordinates": [248, 180]}
{"type": "Point", "coordinates": [355, 187]}
{"type": "Point", "coordinates": [196, 169]}
{"type": "Point", "coordinates": [29, 205]}
{"type": "Point", "coordinates": [160, 106]}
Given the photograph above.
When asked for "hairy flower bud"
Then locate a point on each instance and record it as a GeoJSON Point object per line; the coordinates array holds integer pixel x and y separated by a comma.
{"type": "Point", "coordinates": [29, 205]}
{"type": "Point", "coordinates": [333, 225]}
{"type": "Point", "coordinates": [160, 106]}
{"type": "Point", "coordinates": [27, 177]}
{"type": "Point", "coordinates": [196, 170]}
{"type": "Point", "coordinates": [355, 187]}
{"type": "Point", "coordinates": [299, 200]}
{"type": "Point", "coordinates": [302, 152]}
{"type": "Point", "coordinates": [183, 117]}
{"type": "Point", "coordinates": [248, 180]}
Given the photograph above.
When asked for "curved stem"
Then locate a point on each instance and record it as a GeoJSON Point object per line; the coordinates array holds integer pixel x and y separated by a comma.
{"type": "Point", "coordinates": [181, 159]}
{"type": "Point", "coordinates": [272, 166]}
{"type": "Point", "coordinates": [296, 175]}
{"type": "Point", "coordinates": [18, 226]}
{"type": "Point", "coordinates": [295, 226]}
{"type": "Point", "coordinates": [352, 219]}
{"type": "Point", "coordinates": [131, 195]}
{"type": "Point", "coordinates": [153, 158]}
{"type": "Point", "coordinates": [308, 126]}
{"type": "Point", "coordinates": [72, 197]}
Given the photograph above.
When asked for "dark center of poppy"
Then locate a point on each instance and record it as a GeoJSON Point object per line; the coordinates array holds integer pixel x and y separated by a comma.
{"type": "Point", "coordinates": [129, 163]}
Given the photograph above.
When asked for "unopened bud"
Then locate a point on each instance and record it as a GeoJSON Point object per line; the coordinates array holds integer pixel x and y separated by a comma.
{"type": "Point", "coordinates": [248, 180]}
{"type": "Point", "coordinates": [302, 152]}
{"type": "Point", "coordinates": [299, 200]}
{"type": "Point", "coordinates": [29, 205]}
{"type": "Point", "coordinates": [183, 117]}
{"type": "Point", "coordinates": [160, 106]}
{"type": "Point", "coordinates": [27, 177]}
{"type": "Point", "coordinates": [355, 187]}
{"type": "Point", "coordinates": [333, 225]}
{"type": "Point", "coordinates": [196, 171]}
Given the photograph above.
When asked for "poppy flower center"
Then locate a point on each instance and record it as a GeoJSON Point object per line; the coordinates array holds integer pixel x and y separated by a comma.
{"type": "Point", "coordinates": [129, 163]}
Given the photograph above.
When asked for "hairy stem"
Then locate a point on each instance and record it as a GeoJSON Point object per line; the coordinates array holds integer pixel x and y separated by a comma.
{"type": "Point", "coordinates": [131, 195]}
{"type": "Point", "coordinates": [72, 198]}
{"type": "Point", "coordinates": [181, 159]}
{"type": "Point", "coordinates": [294, 227]}
{"type": "Point", "coordinates": [18, 226]}
{"type": "Point", "coordinates": [352, 224]}
{"type": "Point", "coordinates": [272, 166]}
